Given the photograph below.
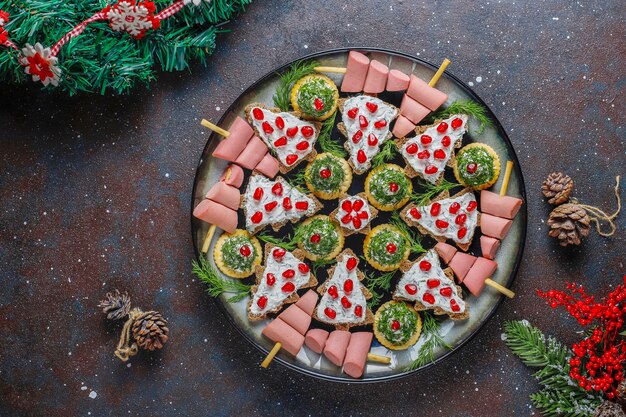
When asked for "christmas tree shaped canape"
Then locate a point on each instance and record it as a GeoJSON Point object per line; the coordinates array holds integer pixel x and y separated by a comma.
{"type": "Point", "coordinates": [428, 153]}
{"type": "Point", "coordinates": [365, 124]}
{"type": "Point", "coordinates": [344, 298]}
{"type": "Point", "coordinates": [278, 281]}
{"type": "Point", "coordinates": [430, 287]}
{"type": "Point", "coordinates": [275, 202]}
{"type": "Point", "coordinates": [291, 138]}
{"type": "Point", "coordinates": [446, 217]}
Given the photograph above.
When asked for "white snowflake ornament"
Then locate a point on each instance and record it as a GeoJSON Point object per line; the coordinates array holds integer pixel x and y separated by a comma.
{"type": "Point", "coordinates": [40, 64]}
{"type": "Point", "coordinates": [132, 17]}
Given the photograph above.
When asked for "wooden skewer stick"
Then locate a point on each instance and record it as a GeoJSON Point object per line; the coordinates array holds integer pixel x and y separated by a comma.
{"type": "Point", "coordinates": [503, 188]}
{"type": "Point", "coordinates": [442, 68]}
{"type": "Point", "coordinates": [270, 356]}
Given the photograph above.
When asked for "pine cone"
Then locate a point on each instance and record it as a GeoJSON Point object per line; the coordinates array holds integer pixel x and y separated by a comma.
{"type": "Point", "coordinates": [569, 223]}
{"type": "Point", "coordinates": [557, 187]}
{"type": "Point", "coordinates": [150, 330]}
{"type": "Point", "coordinates": [609, 409]}
{"type": "Point", "coordinates": [116, 306]}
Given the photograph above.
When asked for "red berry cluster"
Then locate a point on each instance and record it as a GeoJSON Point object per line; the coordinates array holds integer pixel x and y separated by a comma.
{"type": "Point", "coordinates": [598, 361]}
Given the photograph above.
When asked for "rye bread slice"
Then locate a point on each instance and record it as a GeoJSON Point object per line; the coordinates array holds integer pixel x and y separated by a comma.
{"type": "Point", "coordinates": [282, 167]}
{"type": "Point", "coordinates": [346, 231]}
{"type": "Point", "coordinates": [259, 271]}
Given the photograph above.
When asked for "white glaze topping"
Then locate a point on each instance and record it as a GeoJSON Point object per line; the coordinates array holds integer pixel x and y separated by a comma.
{"type": "Point", "coordinates": [274, 289]}
{"type": "Point", "coordinates": [360, 217]}
{"type": "Point", "coordinates": [414, 285]}
{"type": "Point", "coordinates": [436, 153]}
{"type": "Point", "coordinates": [384, 113]}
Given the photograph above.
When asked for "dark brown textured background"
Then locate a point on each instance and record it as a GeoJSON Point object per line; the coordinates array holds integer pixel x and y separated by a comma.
{"type": "Point", "coordinates": [95, 194]}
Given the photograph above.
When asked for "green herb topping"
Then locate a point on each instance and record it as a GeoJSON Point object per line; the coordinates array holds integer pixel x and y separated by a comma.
{"type": "Point", "coordinates": [232, 256]}
{"type": "Point", "coordinates": [312, 89]}
{"type": "Point", "coordinates": [319, 180]}
{"type": "Point", "coordinates": [381, 188]}
{"type": "Point", "coordinates": [381, 243]}
{"type": "Point", "coordinates": [320, 237]}
{"type": "Point", "coordinates": [484, 166]}
{"type": "Point", "coordinates": [402, 315]}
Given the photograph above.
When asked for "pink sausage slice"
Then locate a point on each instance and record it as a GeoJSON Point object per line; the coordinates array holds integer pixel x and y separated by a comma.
{"type": "Point", "coordinates": [420, 91]}
{"type": "Point", "coordinates": [494, 226]}
{"type": "Point", "coordinates": [500, 206]}
{"type": "Point", "coordinates": [307, 302]}
{"type": "Point", "coordinates": [253, 153]}
{"type": "Point", "coordinates": [336, 345]}
{"type": "Point", "coordinates": [356, 355]}
{"type": "Point", "coordinates": [445, 251]}
{"type": "Point", "coordinates": [461, 264]}
{"type": "Point", "coordinates": [315, 340]}
{"type": "Point", "coordinates": [481, 270]}
{"type": "Point", "coordinates": [412, 110]}
{"type": "Point", "coordinates": [402, 127]}
{"type": "Point", "coordinates": [376, 78]}
{"type": "Point", "coordinates": [236, 176]}
{"type": "Point", "coordinates": [225, 194]}
{"type": "Point", "coordinates": [217, 214]}
{"type": "Point", "coordinates": [279, 331]}
{"type": "Point", "coordinates": [230, 148]}
{"type": "Point", "coordinates": [397, 81]}
{"type": "Point", "coordinates": [268, 166]}
{"type": "Point", "coordinates": [296, 318]}
{"type": "Point", "coordinates": [356, 72]}
{"type": "Point", "coordinates": [489, 246]}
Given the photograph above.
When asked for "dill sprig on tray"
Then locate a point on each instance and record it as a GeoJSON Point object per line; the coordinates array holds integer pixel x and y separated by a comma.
{"type": "Point", "coordinates": [431, 191]}
{"type": "Point", "coordinates": [387, 152]}
{"type": "Point", "coordinates": [469, 107]}
{"type": "Point", "coordinates": [298, 181]}
{"type": "Point", "coordinates": [426, 354]}
{"type": "Point", "coordinates": [322, 263]}
{"type": "Point", "coordinates": [297, 70]}
{"type": "Point", "coordinates": [415, 239]}
{"type": "Point", "coordinates": [216, 285]}
{"type": "Point", "coordinates": [286, 242]}
{"type": "Point", "coordinates": [327, 143]}
{"type": "Point", "coordinates": [378, 283]}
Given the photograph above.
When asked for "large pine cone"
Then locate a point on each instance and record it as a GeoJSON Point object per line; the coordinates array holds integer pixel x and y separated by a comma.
{"type": "Point", "coordinates": [116, 306]}
{"type": "Point", "coordinates": [150, 330]}
{"type": "Point", "coordinates": [569, 223]}
{"type": "Point", "coordinates": [609, 409]}
{"type": "Point", "coordinates": [557, 187]}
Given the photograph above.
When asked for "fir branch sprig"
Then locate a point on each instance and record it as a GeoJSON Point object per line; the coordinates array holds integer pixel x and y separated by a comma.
{"type": "Point", "coordinates": [378, 283]}
{"type": "Point", "coordinates": [560, 396]}
{"type": "Point", "coordinates": [431, 191]}
{"type": "Point", "coordinates": [469, 107]}
{"type": "Point", "coordinates": [297, 70]}
{"type": "Point", "coordinates": [216, 285]}
{"type": "Point", "coordinates": [327, 143]}
{"type": "Point", "coordinates": [387, 152]}
{"type": "Point", "coordinates": [431, 331]}
{"type": "Point", "coordinates": [415, 239]}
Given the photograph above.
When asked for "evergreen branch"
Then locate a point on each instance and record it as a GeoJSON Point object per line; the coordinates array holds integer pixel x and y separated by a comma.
{"type": "Point", "coordinates": [414, 238]}
{"type": "Point", "coordinates": [297, 70]}
{"type": "Point", "coordinates": [431, 330]}
{"type": "Point", "coordinates": [387, 152]}
{"type": "Point", "coordinates": [216, 285]}
{"type": "Point", "coordinates": [469, 107]}
{"type": "Point", "coordinates": [327, 143]}
{"type": "Point", "coordinates": [431, 191]}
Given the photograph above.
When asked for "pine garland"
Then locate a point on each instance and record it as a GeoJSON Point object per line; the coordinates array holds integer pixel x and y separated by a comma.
{"type": "Point", "coordinates": [103, 61]}
{"type": "Point", "coordinates": [560, 396]}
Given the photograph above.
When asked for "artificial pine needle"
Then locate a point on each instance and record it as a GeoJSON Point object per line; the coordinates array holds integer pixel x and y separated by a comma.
{"type": "Point", "coordinates": [469, 107]}
{"type": "Point", "coordinates": [216, 285]}
{"type": "Point", "coordinates": [297, 70]}
{"type": "Point", "coordinates": [431, 332]}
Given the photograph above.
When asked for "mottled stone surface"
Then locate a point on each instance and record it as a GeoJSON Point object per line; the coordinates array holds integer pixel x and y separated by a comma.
{"type": "Point", "coordinates": [96, 191]}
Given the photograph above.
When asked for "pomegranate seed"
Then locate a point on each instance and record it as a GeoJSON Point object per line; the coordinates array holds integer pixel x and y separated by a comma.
{"type": "Point", "coordinates": [351, 263]}
{"type": "Point", "coordinates": [431, 169]}
{"type": "Point", "coordinates": [439, 154]}
{"type": "Point", "coordinates": [357, 136]}
{"type": "Point", "coordinates": [345, 302]}
{"type": "Point", "coordinates": [424, 154]}
{"type": "Point", "coordinates": [380, 124]}
{"type": "Point", "coordinates": [303, 268]}
{"type": "Point", "coordinates": [271, 206]}
{"type": "Point", "coordinates": [289, 273]}
{"type": "Point", "coordinates": [372, 140]}
{"type": "Point", "coordinates": [391, 248]}
{"type": "Point", "coordinates": [443, 126]}
{"type": "Point", "coordinates": [278, 253]}
{"type": "Point", "coordinates": [425, 266]}
{"type": "Point", "coordinates": [319, 104]}
{"type": "Point", "coordinates": [393, 187]}
{"type": "Point", "coordinates": [277, 189]}
{"type": "Point", "coordinates": [282, 141]}
{"type": "Point", "coordinates": [325, 173]}
{"type": "Point", "coordinates": [471, 168]}
{"type": "Point", "coordinates": [262, 301]}
{"type": "Point", "coordinates": [395, 325]}
{"type": "Point", "coordinates": [257, 217]}
{"type": "Point", "coordinates": [372, 107]}
{"type": "Point", "coordinates": [245, 250]}
{"type": "Point", "coordinates": [287, 203]}
{"type": "Point", "coordinates": [456, 123]}
{"type": "Point", "coordinates": [288, 287]}
{"type": "Point", "coordinates": [270, 279]}
{"type": "Point", "coordinates": [257, 113]}
{"type": "Point", "coordinates": [307, 131]}
{"type": "Point", "coordinates": [258, 193]}
{"type": "Point", "coordinates": [362, 215]}
{"type": "Point", "coordinates": [412, 148]}
{"type": "Point", "coordinates": [471, 206]}
{"type": "Point", "coordinates": [435, 209]}
{"type": "Point", "coordinates": [290, 159]}
{"type": "Point", "coordinates": [348, 286]}
{"type": "Point", "coordinates": [454, 306]}
{"type": "Point", "coordinates": [280, 123]}
{"type": "Point", "coordinates": [357, 205]}
{"type": "Point", "coordinates": [332, 291]}
{"type": "Point", "coordinates": [353, 112]}
{"type": "Point", "coordinates": [356, 222]}
{"type": "Point", "coordinates": [330, 312]}
{"type": "Point", "coordinates": [415, 213]}
{"type": "Point", "coordinates": [363, 122]}
{"type": "Point", "coordinates": [361, 157]}
{"type": "Point", "coordinates": [446, 291]}
{"type": "Point", "coordinates": [267, 128]}
{"type": "Point", "coordinates": [315, 238]}
{"type": "Point", "coordinates": [429, 298]}
{"type": "Point", "coordinates": [441, 224]}
{"type": "Point", "coordinates": [346, 206]}
{"type": "Point", "coordinates": [433, 283]}
{"type": "Point", "coordinates": [292, 131]}
{"type": "Point", "coordinates": [461, 233]}
{"type": "Point", "coordinates": [302, 205]}
{"type": "Point", "coordinates": [302, 146]}
{"type": "Point", "coordinates": [411, 289]}
{"type": "Point", "coordinates": [358, 311]}
{"type": "Point", "coordinates": [454, 208]}
{"type": "Point", "coordinates": [445, 141]}
{"type": "Point", "coordinates": [346, 219]}
{"type": "Point", "coordinates": [425, 139]}
{"type": "Point", "coordinates": [460, 219]}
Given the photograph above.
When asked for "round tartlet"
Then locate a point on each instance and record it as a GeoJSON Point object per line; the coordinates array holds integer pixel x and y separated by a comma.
{"type": "Point", "coordinates": [397, 326]}
{"type": "Point", "coordinates": [477, 166]}
{"type": "Point", "coordinates": [315, 96]}
{"type": "Point", "coordinates": [387, 187]}
{"type": "Point", "coordinates": [386, 247]}
{"type": "Point", "coordinates": [328, 176]}
{"type": "Point", "coordinates": [236, 254]}
{"type": "Point", "coordinates": [321, 238]}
